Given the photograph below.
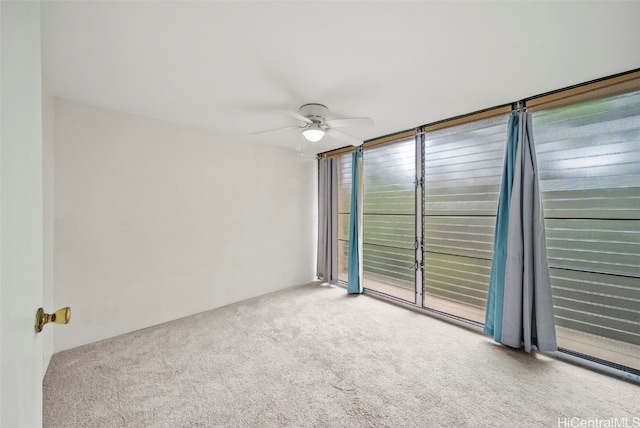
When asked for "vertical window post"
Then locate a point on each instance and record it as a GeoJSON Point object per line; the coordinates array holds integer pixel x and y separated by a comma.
{"type": "Point", "coordinates": [419, 199]}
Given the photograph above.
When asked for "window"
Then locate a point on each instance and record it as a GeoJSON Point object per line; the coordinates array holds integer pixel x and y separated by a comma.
{"type": "Point", "coordinates": [344, 210]}
{"type": "Point", "coordinates": [462, 178]}
{"type": "Point", "coordinates": [436, 203]}
{"type": "Point", "coordinates": [589, 165]}
{"type": "Point", "coordinates": [389, 218]}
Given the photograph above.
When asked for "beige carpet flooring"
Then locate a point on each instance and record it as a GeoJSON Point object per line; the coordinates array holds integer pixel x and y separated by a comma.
{"type": "Point", "coordinates": [312, 356]}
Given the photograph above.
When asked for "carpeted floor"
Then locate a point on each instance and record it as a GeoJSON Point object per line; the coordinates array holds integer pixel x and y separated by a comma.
{"type": "Point", "coordinates": [312, 356]}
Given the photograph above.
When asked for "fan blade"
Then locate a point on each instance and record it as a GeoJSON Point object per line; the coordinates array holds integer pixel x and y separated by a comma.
{"type": "Point", "coordinates": [276, 129]}
{"type": "Point", "coordinates": [355, 121]}
{"type": "Point", "coordinates": [344, 137]}
{"type": "Point", "coordinates": [296, 115]}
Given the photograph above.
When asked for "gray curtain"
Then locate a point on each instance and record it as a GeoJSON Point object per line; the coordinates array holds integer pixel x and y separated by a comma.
{"type": "Point", "coordinates": [327, 218]}
{"type": "Point", "coordinates": [528, 318]}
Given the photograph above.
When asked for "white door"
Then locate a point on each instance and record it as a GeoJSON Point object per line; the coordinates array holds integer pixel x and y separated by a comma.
{"type": "Point", "coordinates": [21, 221]}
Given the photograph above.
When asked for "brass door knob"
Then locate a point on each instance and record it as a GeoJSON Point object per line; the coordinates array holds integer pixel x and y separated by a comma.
{"type": "Point", "coordinates": [61, 316]}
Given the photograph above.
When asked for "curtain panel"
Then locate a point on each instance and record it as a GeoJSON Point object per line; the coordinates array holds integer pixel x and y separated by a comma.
{"type": "Point", "coordinates": [519, 305]}
{"type": "Point", "coordinates": [327, 218]}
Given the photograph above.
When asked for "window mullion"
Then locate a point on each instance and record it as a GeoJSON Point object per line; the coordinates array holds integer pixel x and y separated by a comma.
{"type": "Point", "coordinates": [419, 199]}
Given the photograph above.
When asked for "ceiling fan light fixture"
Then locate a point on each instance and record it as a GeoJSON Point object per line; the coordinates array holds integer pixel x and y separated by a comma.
{"type": "Point", "coordinates": [313, 133]}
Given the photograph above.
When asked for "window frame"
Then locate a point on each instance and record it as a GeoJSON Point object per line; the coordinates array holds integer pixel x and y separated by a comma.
{"type": "Point", "coordinates": [611, 85]}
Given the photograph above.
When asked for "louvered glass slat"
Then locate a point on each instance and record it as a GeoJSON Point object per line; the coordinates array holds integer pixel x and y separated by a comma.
{"type": "Point", "coordinates": [343, 259]}
{"type": "Point", "coordinates": [390, 230]}
{"type": "Point", "coordinates": [571, 204]}
{"type": "Point", "coordinates": [392, 266]}
{"type": "Point", "coordinates": [597, 304]}
{"type": "Point", "coordinates": [388, 218]}
{"type": "Point", "coordinates": [457, 278]}
{"type": "Point", "coordinates": [463, 174]}
{"type": "Point", "coordinates": [589, 168]}
{"type": "Point", "coordinates": [460, 236]}
{"type": "Point", "coordinates": [343, 227]}
{"type": "Point", "coordinates": [389, 179]}
{"type": "Point", "coordinates": [599, 246]}
{"type": "Point", "coordinates": [344, 183]}
{"type": "Point", "coordinates": [344, 210]}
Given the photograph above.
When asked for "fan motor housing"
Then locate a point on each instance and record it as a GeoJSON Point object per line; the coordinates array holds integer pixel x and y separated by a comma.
{"type": "Point", "coordinates": [315, 112]}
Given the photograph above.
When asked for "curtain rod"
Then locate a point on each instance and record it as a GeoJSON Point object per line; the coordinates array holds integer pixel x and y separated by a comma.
{"type": "Point", "coordinates": [626, 82]}
{"type": "Point", "coordinates": [626, 75]}
{"type": "Point", "coordinates": [334, 152]}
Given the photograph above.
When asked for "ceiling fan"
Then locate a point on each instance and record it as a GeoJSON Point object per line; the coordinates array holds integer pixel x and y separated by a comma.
{"type": "Point", "coordinates": [316, 124]}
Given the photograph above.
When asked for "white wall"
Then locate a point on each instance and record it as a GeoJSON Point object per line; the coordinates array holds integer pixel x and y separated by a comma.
{"type": "Point", "coordinates": [157, 221]}
{"type": "Point", "coordinates": [21, 197]}
{"type": "Point", "coordinates": [47, 212]}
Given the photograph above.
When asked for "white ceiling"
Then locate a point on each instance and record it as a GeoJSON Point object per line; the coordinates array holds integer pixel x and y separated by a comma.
{"type": "Point", "coordinates": [227, 66]}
